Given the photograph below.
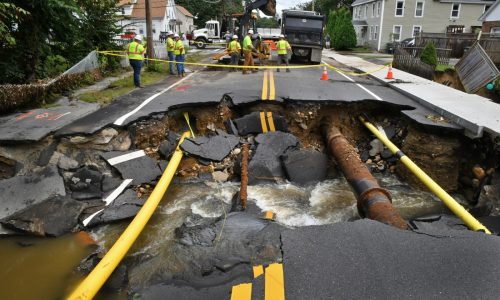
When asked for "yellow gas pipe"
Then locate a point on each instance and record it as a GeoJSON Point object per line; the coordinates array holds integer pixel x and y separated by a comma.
{"type": "Point", "coordinates": [456, 208]}
{"type": "Point", "coordinates": [89, 287]}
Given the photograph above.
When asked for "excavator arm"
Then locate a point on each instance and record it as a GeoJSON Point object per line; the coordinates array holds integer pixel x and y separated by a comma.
{"type": "Point", "coordinates": [268, 7]}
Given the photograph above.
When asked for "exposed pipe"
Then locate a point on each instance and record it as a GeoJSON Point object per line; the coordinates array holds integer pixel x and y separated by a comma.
{"type": "Point", "coordinates": [244, 175]}
{"type": "Point", "coordinates": [374, 202]}
{"type": "Point", "coordinates": [456, 208]}
{"type": "Point", "coordinates": [89, 287]}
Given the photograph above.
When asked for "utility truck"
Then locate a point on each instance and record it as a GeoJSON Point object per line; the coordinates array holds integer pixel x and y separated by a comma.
{"type": "Point", "coordinates": [304, 31]}
{"type": "Point", "coordinates": [214, 31]}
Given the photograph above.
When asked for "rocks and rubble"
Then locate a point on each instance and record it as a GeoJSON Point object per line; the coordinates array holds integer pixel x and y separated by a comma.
{"type": "Point", "coordinates": [251, 123]}
{"type": "Point", "coordinates": [167, 147]}
{"type": "Point", "coordinates": [265, 165]}
{"type": "Point", "coordinates": [86, 184]}
{"type": "Point", "coordinates": [305, 166]}
{"type": "Point", "coordinates": [143, 169]}
{"type": "Point", "coordinates": [126, 206]}
{"type": "Point", "coordinates": [214, 148]}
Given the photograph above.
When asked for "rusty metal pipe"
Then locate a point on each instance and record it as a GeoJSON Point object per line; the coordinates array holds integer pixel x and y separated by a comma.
{"type": "Point", "coordinates": [244, 175]}
{"type": "Point", "coordinates": [374, 202]}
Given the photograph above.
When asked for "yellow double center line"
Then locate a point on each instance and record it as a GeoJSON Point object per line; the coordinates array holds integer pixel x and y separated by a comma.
{"type": "Point", "coordinates": [268, 91]}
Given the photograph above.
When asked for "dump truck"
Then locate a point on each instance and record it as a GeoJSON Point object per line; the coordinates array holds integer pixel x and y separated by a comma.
{"type": "Point", "coordinates": [304, 32]}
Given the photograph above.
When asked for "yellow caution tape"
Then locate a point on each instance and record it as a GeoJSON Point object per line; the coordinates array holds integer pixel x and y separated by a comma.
{"type": "Point", "coordinates": [113, 53]}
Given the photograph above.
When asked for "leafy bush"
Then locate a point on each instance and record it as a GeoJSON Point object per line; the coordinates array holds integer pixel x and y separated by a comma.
{"type": "Point", "coordinates": [429, 54]}
{"type": "Point", "coordinates": [53, 66]}
{"type": "Point", "coordinates": [341, 29]}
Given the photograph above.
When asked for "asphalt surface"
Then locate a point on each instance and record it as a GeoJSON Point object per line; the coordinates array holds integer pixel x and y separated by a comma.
{"type": "Point", "coordinates": [369, 260]}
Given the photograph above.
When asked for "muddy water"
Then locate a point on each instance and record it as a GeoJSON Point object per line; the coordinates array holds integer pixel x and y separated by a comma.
{"type": "Point", "coordinates": [45, 269]}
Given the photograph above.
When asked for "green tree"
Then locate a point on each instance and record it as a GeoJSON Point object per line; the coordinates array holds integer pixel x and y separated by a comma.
{"type": "Point", "coordinates": [10, 15]}
{"type": "Point", "coordinates": [342, 31]}
{"type": "Point", "coordinates": [429, 54]}
{"type": "Point", "coordinates": [208, 9]}
{"type": "Point", "coordinates": [325, 7]}
{"type": "Point", "coordinates": [267, 23]}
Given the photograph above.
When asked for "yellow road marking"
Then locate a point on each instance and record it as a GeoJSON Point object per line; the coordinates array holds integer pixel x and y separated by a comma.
{"type": "Point", "coordinates": [272, 93]}
{"type": "Point", "coordinates": [270, 121]}
{"type": "Point", "coordinates": [257, 271]}
{"type": "Point", "coordinates": [264, 86]}
{"type": "Point", "coordinates": [274, 286]}
{"type": "Point", "coordinates": [263, 122]}
{"type": "Point", "coordinates": [242, 292]}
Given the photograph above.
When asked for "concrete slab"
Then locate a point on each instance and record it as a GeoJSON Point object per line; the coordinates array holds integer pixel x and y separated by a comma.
{"type": "Point", "coordinates": [18, 193]}
{"type": "Point", "coordinates": [369, 260]}
{"type": "Point", "coordinates": [134, 165]}
{"type": "Point", "coordinates": [475, 113]}
{"type": "Point", "coordinates": [33, 125]}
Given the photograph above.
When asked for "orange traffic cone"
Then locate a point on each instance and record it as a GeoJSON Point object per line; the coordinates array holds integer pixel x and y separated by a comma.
{"type": "Point", "coordinates": [325, 74]}
{"type": "Point", "coordinates": [389, 73]}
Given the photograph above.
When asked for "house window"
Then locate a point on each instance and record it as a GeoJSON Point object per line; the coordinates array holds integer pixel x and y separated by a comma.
{"type": "Point", "coordinates": [400, 7]}
{"type": "Point", "coordinates": [141, 31]}
{"type": "Point", "coordinates": [373, 10]}
{"type": "Point", "coordinates": [419, 9]}
{"type": "Point", "coordinates": [366, 11]}
{"type": "Point", "coordinates": [455, 10]}
{"type": "Point", "coordinates": [375, 32]}
{"type": "Point", "coordinates": [370, 33]}
{"type": "Point", "coordinates": [379, 5]}
{"type": "Point", "coordinates": [396, 32]}
{"type": "Point", "coordinates": [416, 30]}
{"type": "Point", "coordinates": [495, 31]}
{"type": "Point", "coordinates": [486, 7]}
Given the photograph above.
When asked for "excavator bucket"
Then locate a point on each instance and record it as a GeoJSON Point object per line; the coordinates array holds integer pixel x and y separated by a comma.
{"type": "Point", "coordinates": [269, 9]}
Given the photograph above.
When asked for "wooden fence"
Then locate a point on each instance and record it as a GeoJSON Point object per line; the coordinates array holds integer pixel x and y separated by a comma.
{"type": "Point", "coordinates": [406, 59]}
{"type": "Point", "coordinates": [476, 69]}
{"type": "Point", "coordinates": [459, 43]}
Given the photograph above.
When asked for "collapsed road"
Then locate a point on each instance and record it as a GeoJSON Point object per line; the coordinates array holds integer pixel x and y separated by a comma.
{"type": "Point", "coordinates": [301, 222]}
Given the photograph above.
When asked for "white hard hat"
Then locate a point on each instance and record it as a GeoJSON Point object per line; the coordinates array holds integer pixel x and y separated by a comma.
{"type": "Point", "coordinates": [235, 36]}
{"type": "Point", "coordinates": [282, 35]}
{"type": "Point", "coordinates": [176, 35]}
{"type": "Point", "coordinates": [250, 31]}
{"type": "Point", "coordinates": [170, 32]}
{"type": "Point", "coordinates": [138, 37]}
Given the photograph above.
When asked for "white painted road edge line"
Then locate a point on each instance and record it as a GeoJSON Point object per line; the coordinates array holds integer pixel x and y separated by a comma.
{"type": "Point", "coordinates": [359, 85]}
{"type": "Point", "coordinates": [126, 157]}
{"type": "Point", "coordinates": [122, 119]}
{"type": "Point", "coordinates": [109, 200]}
{"type": "Point", "coordinates": [369, 92]}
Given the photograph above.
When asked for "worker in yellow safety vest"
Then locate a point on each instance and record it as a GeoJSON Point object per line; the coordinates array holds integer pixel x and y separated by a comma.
{"type": "Point", "coordinates": [170, 51]}
{"type": "Point", "coordinates": [283, 47]}
{"type": "Point", "coordinates": [135, 52]}
{"type": "Point", "coordinates": [234, 49]}
{"type": "Point", "coordinates": [247, 51]}
{"type": "Point", "coordinates": [180, 55]}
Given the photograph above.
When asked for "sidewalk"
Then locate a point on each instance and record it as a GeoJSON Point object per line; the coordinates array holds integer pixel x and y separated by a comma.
{"type": "Point", "coordinates": [475, 113]}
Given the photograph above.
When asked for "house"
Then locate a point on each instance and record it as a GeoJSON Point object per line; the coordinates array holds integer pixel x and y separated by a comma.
{"type": "Point", "coordinates": [378, 22]}
{"type": "Point", "coordinates": [185, 20]}
{"type": "Point", "coordinates": [491, 19]}
{"type": "Point", "coordinates": [134, 16]}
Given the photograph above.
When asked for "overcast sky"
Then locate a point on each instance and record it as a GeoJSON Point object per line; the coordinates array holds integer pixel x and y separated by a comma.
{"type": "Point", "coordinates": [284, 4]}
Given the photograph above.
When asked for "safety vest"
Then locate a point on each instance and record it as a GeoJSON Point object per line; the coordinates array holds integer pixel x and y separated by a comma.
{"type": "Point", "coordinates": [234, 46]}
{"type": "Point", "coordinates": [135, 51]}
{"type": "Point", "coordinates": [179, 48]}
{"type": "Point", "coordinates": [282, 46]}
{"type": "Point", "coordinates": [170, 44]}
{"type": "Point", "coordinates": [247, 44]}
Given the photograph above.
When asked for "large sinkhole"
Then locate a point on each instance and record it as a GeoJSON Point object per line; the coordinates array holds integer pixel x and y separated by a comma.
{"type": "Point", "coordinates": [198, 236]}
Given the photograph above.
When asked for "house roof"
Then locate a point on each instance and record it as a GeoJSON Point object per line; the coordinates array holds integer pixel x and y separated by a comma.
{"type": "Point", "coordinates": [483, 2]}
{"type": "Point", "coordinates": [158, 9]}
{"type": "Point", "coordinates": [184, 11]}
{"type": "Point", "coordinates": [358, 2]}
{"type": "Point", "coordinates": [486, 13]}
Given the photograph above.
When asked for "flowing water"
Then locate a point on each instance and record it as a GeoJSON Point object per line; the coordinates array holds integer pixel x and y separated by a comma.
{"type": "Point", "coordinates": [45, 268]}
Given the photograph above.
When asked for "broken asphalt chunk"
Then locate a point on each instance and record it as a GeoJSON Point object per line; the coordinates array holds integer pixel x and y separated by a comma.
{"type": "Point", "coordinates": [86, 184]}
{"type": "Point", "coordinates": [255, 122]}
{"type": "Point", "coordinates": [265, 165]}
{"type": "Point", "coordinates": [126, 206]}
{"type": "Point", "coordinates": [167, 147]}
{"type": "Point", "coordinates": [214, 148]}
{"type": "Point", "coordinates": [134, 165]}
{"type": "Point", "coordinates": [20, 192]}
{"type": "Point", "coordinates": [305, 166]}
{"type": "Point", "coordinates": [54, 217]}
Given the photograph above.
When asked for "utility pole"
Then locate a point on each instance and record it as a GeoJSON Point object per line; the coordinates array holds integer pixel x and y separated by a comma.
{"type": "Point", "coordinates": [312, 5]}
{"type": "Point", "coordinates": [149, 31]}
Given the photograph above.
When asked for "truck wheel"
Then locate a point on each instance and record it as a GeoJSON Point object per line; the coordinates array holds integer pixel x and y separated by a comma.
{"type": "Point", "coordinates": [200, 43]}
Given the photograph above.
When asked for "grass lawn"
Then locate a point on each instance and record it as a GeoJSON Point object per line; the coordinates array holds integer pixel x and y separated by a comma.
{"type": "Point", "coordinates": [123, 86]}
{"type": "Point", "coordinates": [442, 68]}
